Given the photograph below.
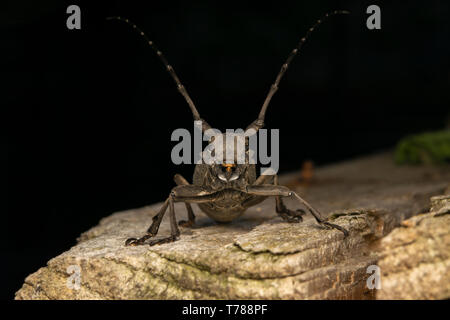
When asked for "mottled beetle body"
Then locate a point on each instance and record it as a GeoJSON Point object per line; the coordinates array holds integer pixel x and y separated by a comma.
{"type": "Point", "coordinates": [225, 191]}
{"type": "Point", "coordinates": [231, 199]}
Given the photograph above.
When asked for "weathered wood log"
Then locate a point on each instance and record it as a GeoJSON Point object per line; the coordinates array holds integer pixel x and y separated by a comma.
{"type": "Point", "coordinates": [415, 258]}
{"type": "Point", "coordinates": [258, 256]}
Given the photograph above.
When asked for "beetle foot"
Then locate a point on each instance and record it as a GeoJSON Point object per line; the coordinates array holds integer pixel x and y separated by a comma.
{"type": "Point", "coordinates": [296, 219]}
{"type": "Point", "coordinates": [299, 212]}
{"type": "Point", "coordinates": [187, 223]}
{"type": "Point", "coordinates": [138, 242]}
{"type": "Point", "coordinates": [132, 242]}
{"type": "Point", "coordinates": [329, 225]}
{"type": "Point", "coordinates": [292, 216]}
{"type": "Point", "coordinates": [162, 240]}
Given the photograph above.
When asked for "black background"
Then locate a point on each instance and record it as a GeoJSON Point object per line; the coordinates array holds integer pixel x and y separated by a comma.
{"type": "Point", "coordinates": [90, 112]}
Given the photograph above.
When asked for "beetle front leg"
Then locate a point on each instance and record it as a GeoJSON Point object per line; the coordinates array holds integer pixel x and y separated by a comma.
{"type": "Point", "coordinates": [285, 213]}
{"type": "Point", "coordinates": [273, 190]}
{"type": "Point", "coordinates": [152, 230]}
{"type": "Point", "coordinates": [184, 193]}
{"type": "Point", "coordinates": [181, 181]}
{"type": "Point", "coordinates": [280, 208]}
{"type": "Point", "coordinates": [190, 222]}
{"type": "Point", "coordinates": [174, 231]}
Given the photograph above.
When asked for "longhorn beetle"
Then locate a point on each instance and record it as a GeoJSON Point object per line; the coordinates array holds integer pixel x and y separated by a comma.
{"type": "Point", "coordinates": [224, 191]}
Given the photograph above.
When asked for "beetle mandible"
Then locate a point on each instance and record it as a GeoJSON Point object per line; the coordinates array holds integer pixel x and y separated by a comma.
{"type": "Point", "coordinates": [225, 191]}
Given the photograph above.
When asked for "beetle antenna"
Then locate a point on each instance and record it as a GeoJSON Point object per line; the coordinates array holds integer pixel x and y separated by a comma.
{"type": "Point", "coordinates": [259, 123]}
{"type": "Point", "coordinates": [169, 68]}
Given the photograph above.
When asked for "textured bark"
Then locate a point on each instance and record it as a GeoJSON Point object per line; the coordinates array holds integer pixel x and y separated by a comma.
{"type": "Point", "coordinates": [415, 258]}
{"type": "Point", "coordinates": [258, 256]}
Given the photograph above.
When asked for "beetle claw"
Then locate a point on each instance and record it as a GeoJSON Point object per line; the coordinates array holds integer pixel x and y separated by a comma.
{"type": "Point", "coordinates": [131, 242]}
{"type": "Point", "coordinates": [335, 226]}
{"type": "Point", "coordinates": [162, 241]}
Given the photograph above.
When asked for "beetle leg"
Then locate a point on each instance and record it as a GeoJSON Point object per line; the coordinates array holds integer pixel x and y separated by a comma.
{"type": "Point", "coordinates": [180, 181]}
{"type": "Point", "coordinates": [273, 190]}
{"type": "Point", "coordinates": [190, 223]}
{"type": "Point", "coordinates": [285, 213]}
{"type": "Point", "coordinates": [174, 231]}
{"type": "Point", "coordinates": [184, 193]}
{"type": "Point", "coordinates": [152, 230]}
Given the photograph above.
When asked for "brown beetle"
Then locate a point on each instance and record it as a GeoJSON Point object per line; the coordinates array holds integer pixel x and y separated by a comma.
{"type": "Point", "coordinates": [225, 191]}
